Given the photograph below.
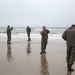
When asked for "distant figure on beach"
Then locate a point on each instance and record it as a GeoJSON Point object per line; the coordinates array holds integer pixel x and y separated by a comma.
{"type": "Point", "coordinates": [69, 37]}
{"type": "Point", "coordinates": [28, 30]}
{"type": "Point", "coordinates": [9, 29]}
{"type": "Point", "coordinates": [44, 39]}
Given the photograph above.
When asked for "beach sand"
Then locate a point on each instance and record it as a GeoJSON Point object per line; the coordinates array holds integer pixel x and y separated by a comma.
{"type": "Point", "coordinates": [23, 57]}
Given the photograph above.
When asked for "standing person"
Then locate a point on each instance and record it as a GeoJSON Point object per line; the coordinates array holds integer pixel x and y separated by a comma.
{"type": "Point", "coordinates": [28, 30]}
{"type": "Point", "coordinates": [44, 34]}
{"type": "Point", "coordinates": [9, 29]}
{"type": "Point", "coordinates": [69, 37]}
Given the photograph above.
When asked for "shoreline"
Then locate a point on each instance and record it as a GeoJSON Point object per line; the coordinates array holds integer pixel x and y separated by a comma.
{"type": "Point", "coordinates": [23, 57]}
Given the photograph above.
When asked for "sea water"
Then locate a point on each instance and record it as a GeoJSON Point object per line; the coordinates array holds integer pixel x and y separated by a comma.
{"type": "Point", "coordinates": [55, 32]}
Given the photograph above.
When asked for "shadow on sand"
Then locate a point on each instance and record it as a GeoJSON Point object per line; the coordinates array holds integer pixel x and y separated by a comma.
{"type": "Point", "coordinates": [69, 73]}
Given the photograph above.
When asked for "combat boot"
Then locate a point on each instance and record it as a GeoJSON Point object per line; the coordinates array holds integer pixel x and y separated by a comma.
{"type": "Point", "coordinates": [70, 67]}
{"type": "Point", "coordinates": [44, 51]}
{"type": "Point", "coordinates": [67, 65]}
{"type": "Point", "coordinates": [41, 52]}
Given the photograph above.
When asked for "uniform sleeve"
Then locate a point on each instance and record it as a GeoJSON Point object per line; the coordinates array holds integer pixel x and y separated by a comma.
{"type": "Point", "coordinates": [26, 29]}
{"type": "Point", "coordinates": [11, 29]}
{"type": "Point", "coordinates": [48, 31]}
{"type": "Point", "coordinates": [64, 35]}
{"type": "Point", "coordinates": [42, 33]}
{"type": "Point", "coordinates": [30, 29]}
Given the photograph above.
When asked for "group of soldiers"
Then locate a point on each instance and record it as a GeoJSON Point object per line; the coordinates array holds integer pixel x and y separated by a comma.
{"type": "Point", "coordinates": [68, 35]}
{"type": "Point", "coordinates": [9, 29]}
{"type": "Point", "coordinates": [44, 34]}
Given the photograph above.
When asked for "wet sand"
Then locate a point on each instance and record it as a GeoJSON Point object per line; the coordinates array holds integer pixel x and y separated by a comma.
{"type": "Point", "coordinates": [23, 57]}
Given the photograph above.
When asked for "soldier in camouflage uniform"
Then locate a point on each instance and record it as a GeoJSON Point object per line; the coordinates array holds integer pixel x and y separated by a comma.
{"type": "Point", "coordinates": [28, 30]}
{"type": "Point", "coordinates": [9, 29]}
{"type": "Point", "coordinates": [44, 34]}
{"type": "Point", "coordinates": [69, 37]}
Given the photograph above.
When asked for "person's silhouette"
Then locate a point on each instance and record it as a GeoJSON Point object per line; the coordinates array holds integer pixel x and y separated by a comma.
{"type": "Point", "coordinates": [28, 30]}
{"type": "Point", "coordinates": [9, 29]}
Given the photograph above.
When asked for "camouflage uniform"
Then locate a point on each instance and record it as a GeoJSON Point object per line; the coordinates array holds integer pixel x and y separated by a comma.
{"type": "Point", "coordinates": [69, 37]}
{"type": "Point", "coordinates": [44, 40]}
{"type": "Point", "coordinates": [9, 34]}
{"type": "Point", "coordinates": [28, 32]}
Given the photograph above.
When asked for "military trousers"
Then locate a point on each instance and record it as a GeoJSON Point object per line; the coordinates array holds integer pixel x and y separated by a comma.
{"type": "Point", "coordinates": [70, 54]}
{"type": "Point", "coordinates": [28, 34]}
{"type": "Point", "coordinates": [8, 38]}
{"type": "Point", "coordinates": [43, 44]}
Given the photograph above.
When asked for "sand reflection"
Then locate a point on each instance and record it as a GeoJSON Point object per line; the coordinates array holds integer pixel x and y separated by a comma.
{"type": "Point", "coordinates": [44, 65]}
{"type": "Point", "coordinates": [9, 53]}
{"type": "Point", "coordinates": [28, 47]}
{"type": "Point", "coordinates": [69, 73]}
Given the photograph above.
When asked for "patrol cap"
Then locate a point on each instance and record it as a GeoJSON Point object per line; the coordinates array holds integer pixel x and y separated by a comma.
{"type": "Point", "coordinates": [73, 25]}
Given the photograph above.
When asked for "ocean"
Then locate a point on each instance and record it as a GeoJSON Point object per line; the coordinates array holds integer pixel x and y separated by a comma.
{"type": "Point", "coordinates": [20, 32]}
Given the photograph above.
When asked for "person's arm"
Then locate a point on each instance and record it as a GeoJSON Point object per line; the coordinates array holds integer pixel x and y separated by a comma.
{"type": "Point", "coordinates": [30, 29]}
{"type": "Point", "coordinates": [48, 31]}
{"type": "Point", "coordinates": [64, 35]}
{"type": "Point", "coordinates": [11, 28]}
{"type": "Point", "coordinates": [41, 33]}
{"type": "Point", "coordinates": [26, 29]}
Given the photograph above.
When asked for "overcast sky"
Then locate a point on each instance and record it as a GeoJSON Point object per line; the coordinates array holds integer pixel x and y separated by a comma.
{"type": "Point", "coordinates": [36, 13]}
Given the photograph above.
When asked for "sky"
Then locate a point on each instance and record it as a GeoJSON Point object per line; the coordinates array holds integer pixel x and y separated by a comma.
{"type": "Point", "coordinates": [37, 13]}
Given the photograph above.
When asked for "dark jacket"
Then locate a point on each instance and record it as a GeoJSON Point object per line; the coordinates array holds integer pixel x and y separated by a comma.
{"type": "Point", "coordinates": [9, 31]}
{"type": "Point", "coordinates": [45, 34]}
{"type": "Point", "coordinates": [69, 36]}
{"type": "Point", "coordinates": [28, 29]}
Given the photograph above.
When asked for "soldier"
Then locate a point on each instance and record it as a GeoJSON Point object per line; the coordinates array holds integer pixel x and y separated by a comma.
{"type": "Point", "coordinates": [28, 30]}
{"type": "Point", "coordinates": [69, 37]}
{"type": "Point", "coordinates": [9, 29]}
{"type": "Point", "coordinates": [44, 34]}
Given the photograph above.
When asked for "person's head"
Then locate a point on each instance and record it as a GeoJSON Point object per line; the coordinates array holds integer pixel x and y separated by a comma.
{"type": "Point", "coordinates": [73, 25]}
{"type": "Point", "coordinates": [44, 27]}
{"type": "Point", "coordinates": [27, 26]}
{"type": "Point", "coordinates": [8, 26]}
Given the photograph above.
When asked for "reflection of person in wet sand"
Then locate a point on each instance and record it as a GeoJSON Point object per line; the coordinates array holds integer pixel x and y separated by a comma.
{"type": "Point", "coordinates": [28, 47]}
{"type": "Point", "coordinates": [44, 65]}
{"type": "Point", "coordinates": [9, 52]}
{"type": "Point", "coordinates": [69, 73]}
